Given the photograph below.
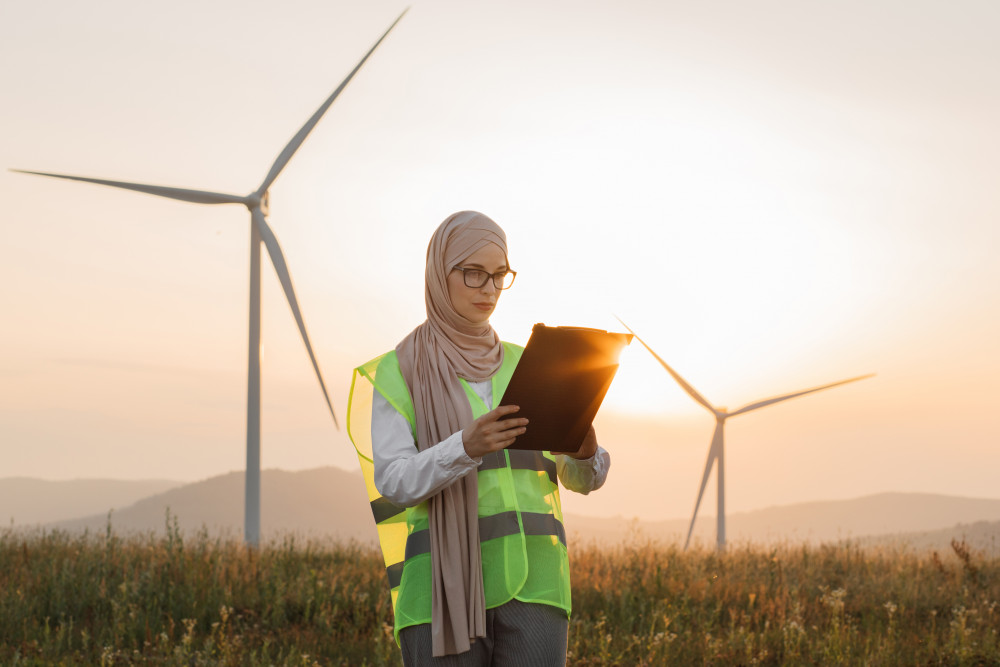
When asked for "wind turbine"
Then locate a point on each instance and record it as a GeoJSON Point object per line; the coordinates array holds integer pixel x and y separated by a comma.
{"type": "Point", "coordinates": [717, 451]}
{"type": "Point", "coordinates": [257, 203]}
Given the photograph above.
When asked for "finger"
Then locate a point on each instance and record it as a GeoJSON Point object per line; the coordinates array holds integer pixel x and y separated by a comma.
{"type": "Point", "coordinates": [487, 423]}
{"type": "Point", "coordinates": [507, 434]}
{"type": "Point", "coordinates": [498, 435]}
{"type": "Point", "coordinates": [502, 411]}
{"type": "Point", "coordinates": [497, 445]}
{"type": "Point", "coordinates": [507, 424]}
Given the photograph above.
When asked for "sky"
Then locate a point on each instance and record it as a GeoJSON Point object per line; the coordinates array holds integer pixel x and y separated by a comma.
{"type": "Point", "coordinates": [774, 194]}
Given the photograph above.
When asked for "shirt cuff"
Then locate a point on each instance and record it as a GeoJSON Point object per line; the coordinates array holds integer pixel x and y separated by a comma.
{"type": "Point", "coordinates": [453, 455]}
{"type": "Point", "coordinates": [586, 475]}
{"type": "Point", "coordinates": [582, 464]}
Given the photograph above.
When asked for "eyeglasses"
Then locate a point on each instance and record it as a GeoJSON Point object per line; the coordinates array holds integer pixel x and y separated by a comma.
{"type": "Point", "coordinates": [476, 278]}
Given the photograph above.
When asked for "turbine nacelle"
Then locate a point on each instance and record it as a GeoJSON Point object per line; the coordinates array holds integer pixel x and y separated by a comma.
{"type": "Point", "coordinates": [257, 201]}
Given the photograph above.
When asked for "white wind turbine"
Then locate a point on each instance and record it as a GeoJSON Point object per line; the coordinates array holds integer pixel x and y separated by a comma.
{"type": "Point", "coordinates": [257, 203]}
{"type": "Point", "coordinates": [716, 451]}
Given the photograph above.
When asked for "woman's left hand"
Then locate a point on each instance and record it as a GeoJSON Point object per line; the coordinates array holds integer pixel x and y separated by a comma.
{"type": "Point", "coordinates": [587, 449]}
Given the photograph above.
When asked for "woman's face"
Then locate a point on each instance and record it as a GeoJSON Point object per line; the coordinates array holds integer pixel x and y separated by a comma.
{"type": "Point", "coordinates": [476, 304]}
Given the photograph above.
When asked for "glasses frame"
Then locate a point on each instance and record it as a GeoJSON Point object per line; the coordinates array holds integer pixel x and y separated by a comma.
{"type": "Point", "coordinates": [495, 276]}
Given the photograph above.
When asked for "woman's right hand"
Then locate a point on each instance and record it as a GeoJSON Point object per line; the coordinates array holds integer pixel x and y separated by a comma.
{"type": "Point", "coordinates": [489, 433]}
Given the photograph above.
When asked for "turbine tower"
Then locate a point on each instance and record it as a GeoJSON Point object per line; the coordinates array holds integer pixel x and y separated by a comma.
{"type": "Point", "coordinates": [717, 450]}
{"type": "Point", "coordinates": [257, 203]}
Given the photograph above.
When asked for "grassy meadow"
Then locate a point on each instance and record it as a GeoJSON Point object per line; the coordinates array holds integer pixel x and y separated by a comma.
{"type": "Point", "coordinates": [199, 600]}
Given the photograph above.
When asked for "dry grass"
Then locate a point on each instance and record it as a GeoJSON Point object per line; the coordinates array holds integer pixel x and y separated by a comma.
{"type": "Point", "coordinates": [86, 600]}
{"type": "Point", "coordinates": [643, 604]}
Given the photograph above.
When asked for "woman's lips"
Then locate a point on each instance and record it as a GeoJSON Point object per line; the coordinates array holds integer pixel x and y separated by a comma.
{"type": "Point", "coordinates": [483, 306]}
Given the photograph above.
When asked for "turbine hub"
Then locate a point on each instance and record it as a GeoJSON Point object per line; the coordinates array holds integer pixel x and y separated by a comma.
{"type": "Point", "coordinates": [253, 201]}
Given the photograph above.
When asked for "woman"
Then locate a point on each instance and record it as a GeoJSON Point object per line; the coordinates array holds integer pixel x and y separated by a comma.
{"type": "Point", "coordinates": [477, 561]}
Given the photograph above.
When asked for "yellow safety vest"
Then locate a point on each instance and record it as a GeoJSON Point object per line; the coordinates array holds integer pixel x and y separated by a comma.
{"type": "Point", "coordinates": [522, 539]}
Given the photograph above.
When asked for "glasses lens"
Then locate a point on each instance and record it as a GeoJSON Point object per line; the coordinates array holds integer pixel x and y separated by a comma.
{"type": "Point", "coordinates": [505, 280]}
{"type": "Point", "coordinates": [475, 277]}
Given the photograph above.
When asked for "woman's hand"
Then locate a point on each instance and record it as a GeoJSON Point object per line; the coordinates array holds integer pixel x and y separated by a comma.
{"type": "Point", "coordinates": [489, 433]}
{"type": "Point", "coordinates": [587, 449]}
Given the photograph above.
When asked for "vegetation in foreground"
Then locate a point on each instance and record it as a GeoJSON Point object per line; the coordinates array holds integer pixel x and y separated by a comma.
{"type": "Point", "coordinates": [105, 600]}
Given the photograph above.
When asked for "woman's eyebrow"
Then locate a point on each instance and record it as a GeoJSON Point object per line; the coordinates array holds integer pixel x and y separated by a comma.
{"type": "Point", "coordinates": [473, 265]}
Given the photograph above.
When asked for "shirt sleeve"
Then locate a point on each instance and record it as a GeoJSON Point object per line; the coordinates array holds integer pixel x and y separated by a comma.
{"type": "Point", "coordinates": [403, 475]}
{"type": "Point", "coordinates": [584, 475]}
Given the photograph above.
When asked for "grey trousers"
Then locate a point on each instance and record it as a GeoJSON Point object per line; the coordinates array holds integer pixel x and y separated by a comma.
{"type": "Point", "coordinates": [518, 634]}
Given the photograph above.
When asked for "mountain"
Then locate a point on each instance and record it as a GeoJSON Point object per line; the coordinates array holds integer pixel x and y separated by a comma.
{"type": "Point", "coordinates": [27, 502]}
{"type": "Point", "coordinates": [323, 502]}
{"type": "Point", "coordinates": [883, 513]}
{"type": "Point", "coordinates": [892, 515]}
{"type": "Point", "coordinates": [332, 503]}
{"type": "Point", "coordinates": [983, 536]}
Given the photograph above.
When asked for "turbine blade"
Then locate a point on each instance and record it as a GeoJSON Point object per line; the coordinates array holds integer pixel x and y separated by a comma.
{"type": "Point", "coordinates": [194, 196]}
{"type": "Point", "coordinates": [777, 399]}
{"type": "Point", "coordinates": [713, 454]}
{"type": "Point", "coordinates": [281, 268]}
{"type": "Point", "coordinates": [684, 385]}
{"type": "Point", "coordinates": [297, 140]}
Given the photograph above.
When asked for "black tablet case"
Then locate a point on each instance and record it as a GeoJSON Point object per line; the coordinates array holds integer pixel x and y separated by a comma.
{"type": "Point", "coordinates": [559, 384]}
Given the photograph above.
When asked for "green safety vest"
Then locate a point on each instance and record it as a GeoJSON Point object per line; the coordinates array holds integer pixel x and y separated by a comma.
{"type": "Point", "coordinates": [521, 534]}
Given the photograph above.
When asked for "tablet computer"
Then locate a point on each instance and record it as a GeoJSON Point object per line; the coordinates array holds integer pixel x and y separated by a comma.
{"type": "Point", "coordinates": [560, 382]}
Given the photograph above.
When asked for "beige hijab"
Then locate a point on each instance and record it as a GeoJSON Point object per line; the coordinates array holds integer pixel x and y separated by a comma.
{"type": "Point", "coordinates": [432, 358]}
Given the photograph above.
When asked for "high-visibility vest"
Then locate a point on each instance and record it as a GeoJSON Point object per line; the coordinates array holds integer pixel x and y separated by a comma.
{"type": "Point", "coordinates": [521, 534]}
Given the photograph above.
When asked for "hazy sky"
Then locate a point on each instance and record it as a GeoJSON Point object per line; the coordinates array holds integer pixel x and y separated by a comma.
{"type": "Point", "coordinates": [774, 194]}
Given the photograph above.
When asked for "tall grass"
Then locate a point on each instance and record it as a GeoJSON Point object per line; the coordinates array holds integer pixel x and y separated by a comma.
{"type": "Point", "coordinates": [643, 604]}
{"type": "Point", "coordinates": [104, 600]}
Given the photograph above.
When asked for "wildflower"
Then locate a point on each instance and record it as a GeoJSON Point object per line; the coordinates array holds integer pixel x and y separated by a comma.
{"type": "Point", "coordinates": [792, 627]}
{"type": "Point", "coordinates": [833, 599]}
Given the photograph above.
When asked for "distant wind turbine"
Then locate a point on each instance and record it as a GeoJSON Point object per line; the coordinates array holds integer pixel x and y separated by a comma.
{"type": "Point", "coordinates": [257, 203]}
{"type": "Point", "coordinates": [716, 451]}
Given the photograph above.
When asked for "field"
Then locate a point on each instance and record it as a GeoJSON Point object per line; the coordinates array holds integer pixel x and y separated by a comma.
{"type": "Point", "coordinates": [199, 600]}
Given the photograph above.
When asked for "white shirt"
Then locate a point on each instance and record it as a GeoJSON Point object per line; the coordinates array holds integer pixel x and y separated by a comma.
{"type": "Point", "coordinates": [407, 477]}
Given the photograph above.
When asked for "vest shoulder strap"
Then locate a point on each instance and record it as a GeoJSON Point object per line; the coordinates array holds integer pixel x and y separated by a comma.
{"type": "Point", "coordinates": [511, 356]}
{"type": "Point", "coordinates": [384, 374]}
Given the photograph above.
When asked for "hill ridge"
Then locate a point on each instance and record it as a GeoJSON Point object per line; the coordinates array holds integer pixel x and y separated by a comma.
{"type": "Point", "coordinates": [329, 502]}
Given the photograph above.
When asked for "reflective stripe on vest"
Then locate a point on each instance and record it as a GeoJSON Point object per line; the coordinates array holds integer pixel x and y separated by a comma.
{"type": "Point", "coordinates": [494, 526]}
{"type": "Point", "coordinates": [520, 459]}
{"type": "Point", "coordinates": [490, 527]}
{"type": "Point", "coordinates": [382, 509]}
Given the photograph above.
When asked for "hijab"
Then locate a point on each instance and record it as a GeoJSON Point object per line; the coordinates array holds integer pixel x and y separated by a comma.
{"type": "Point", "coordinates": [432, 358]}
